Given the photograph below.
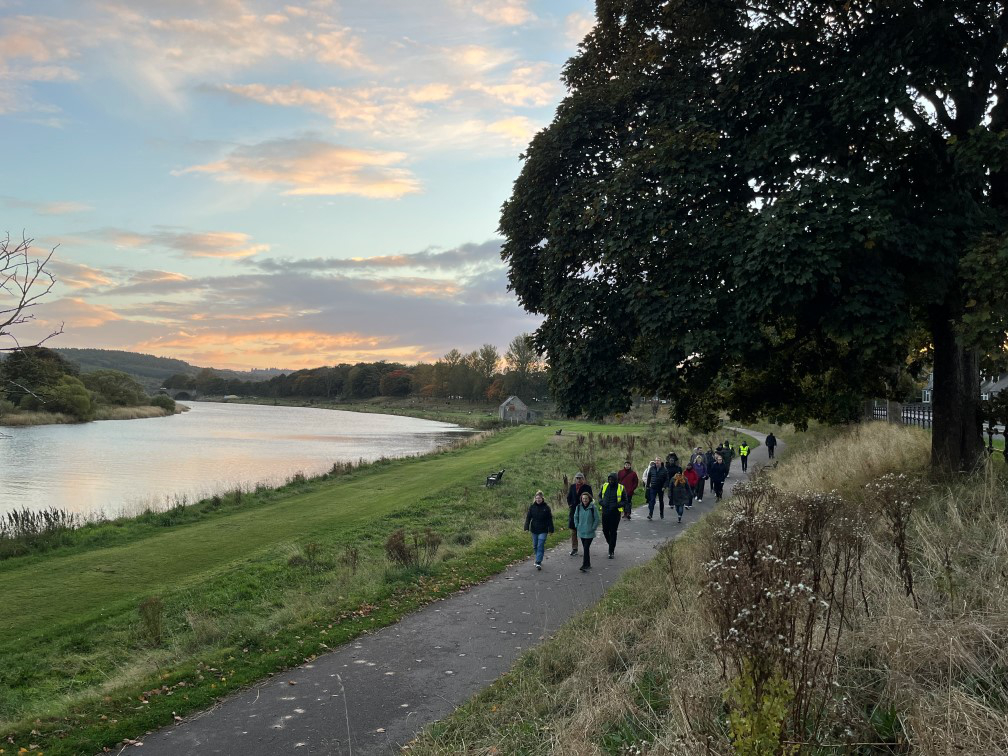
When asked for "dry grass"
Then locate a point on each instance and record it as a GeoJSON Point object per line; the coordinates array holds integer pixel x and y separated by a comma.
{"type": "Point", "coordinates": [25, 418]}
{"type": "Point", "coordinates": [924, 674]}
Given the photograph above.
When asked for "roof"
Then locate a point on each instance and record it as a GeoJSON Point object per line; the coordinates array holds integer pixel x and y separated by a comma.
{"type": "Point", "coordinates": [510, 399]}
{"type": "Point", "coordinates": [995, 386]}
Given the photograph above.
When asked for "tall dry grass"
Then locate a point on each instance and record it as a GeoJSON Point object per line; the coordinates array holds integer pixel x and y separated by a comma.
{"type": "Point", "coordinates": [925, 673]}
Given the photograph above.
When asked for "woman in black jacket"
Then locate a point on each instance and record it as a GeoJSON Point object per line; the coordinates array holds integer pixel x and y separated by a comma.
{"type": "Point", "coordinates": [578, 487]}
{"type": "Point", "coordinates": [717, 474]}
{"type": "Point", "coordinates": [539, 522]}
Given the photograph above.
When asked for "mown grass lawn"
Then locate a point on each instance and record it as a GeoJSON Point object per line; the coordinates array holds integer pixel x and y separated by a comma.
{"type": "Point", "coordinates": [247, 587]}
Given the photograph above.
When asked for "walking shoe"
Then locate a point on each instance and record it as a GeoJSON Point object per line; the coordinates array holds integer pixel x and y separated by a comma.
{"type": "Point", "coordinates": [610, 556]}
{"type": "Point", "coordinates": [680, 519]}
{"type": "Point", "coordinates": [584, 569]}
{"type": "Point", "coordinates": [663, 517]}
{"type": "Point", "coordinates": [538, 566]}
{"type": "Point", "coordinates": [649, 517]}
{"type": "Point", "coordinates": [573, 552]}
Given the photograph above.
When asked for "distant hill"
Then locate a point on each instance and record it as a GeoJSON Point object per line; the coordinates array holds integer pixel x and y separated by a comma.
{"type": "Point", "coordinates": [151, 371]}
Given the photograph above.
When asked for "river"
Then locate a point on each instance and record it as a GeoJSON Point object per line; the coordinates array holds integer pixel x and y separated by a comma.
{"type": "Point", "coordinates": [121, 467]}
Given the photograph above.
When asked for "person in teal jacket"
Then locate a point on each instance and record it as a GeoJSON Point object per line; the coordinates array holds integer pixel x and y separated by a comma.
{"type": "Point", "coordinates": [586, 519]}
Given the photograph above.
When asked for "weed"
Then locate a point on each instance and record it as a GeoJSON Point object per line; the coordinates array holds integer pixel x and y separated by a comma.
{"type": "Point", "coordinates": [151, 611]}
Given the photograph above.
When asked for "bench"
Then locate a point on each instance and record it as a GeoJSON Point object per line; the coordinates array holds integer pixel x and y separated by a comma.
{"type": "Point", "coordinates": [494, 479]}
{"type": "Point", "coordinates": [559, 432]}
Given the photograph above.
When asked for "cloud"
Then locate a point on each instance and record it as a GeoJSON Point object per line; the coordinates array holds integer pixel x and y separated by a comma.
{"type": "Point", "coordinates": [477, 58]}
{"type": "Point", "coordinates": [527, 86]}
{"type": "Point", "coordinates": [78, 276]}
{"type": "Point", "coordinates": [217, 244]}
{"type": "Point", "coordinates": [47, 208]}
{"type": "Point", "coordinates": [577, 25]}
{"type": "Point", "coordinates": [464, 260]}
{"type": "Point", "coordinates": [314, 167]}
{"type": "Point", "coordinates": [504, 12]}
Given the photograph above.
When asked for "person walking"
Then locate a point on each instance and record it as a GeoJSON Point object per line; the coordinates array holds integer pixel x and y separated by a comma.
{"type": "Point", "coordinates": [656, 489]}
{"type": "Point", "coordinates": [539, 522]}
{"type": "Point", "coordinates": [672, 466]}
{"type": "Point", "coordinates": [648, 491]}
{"type": "Point", "coordinates": [680, 494]}
{"type": "Point", "coordinates": [611, 500]}
{"type": "Point", "coordinates": [578, 487]}
{"type": "Point", "coordinates": [729, 455]}
{"type": "Point", "coordinates": [718, 473]}
{"type": "Point", "coordinates": [586, 517]}
{"type": "Point", "coordinates": [700, 468]}
{"type": "Point", "coordinates": [771, 444]}
{"type": "Point", "coordinates": [743, 453]}
{"type": "Point", "coordinates": [627, 477]}
{"type": "Point", "coordinates": [693, 480]}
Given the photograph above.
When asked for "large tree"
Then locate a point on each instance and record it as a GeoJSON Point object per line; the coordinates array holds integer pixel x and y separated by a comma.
{"type": "Point", "coordinates": [772, 207]}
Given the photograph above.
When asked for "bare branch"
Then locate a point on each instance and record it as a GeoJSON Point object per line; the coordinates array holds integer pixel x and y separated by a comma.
{"type": "Point", "coordinates": [24, 280]}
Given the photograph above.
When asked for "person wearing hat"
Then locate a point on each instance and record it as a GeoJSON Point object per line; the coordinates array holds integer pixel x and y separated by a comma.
{"type": "Point", "coordinates": [578, 487]}
{"type": "Point", "coordinates": [611, 499]}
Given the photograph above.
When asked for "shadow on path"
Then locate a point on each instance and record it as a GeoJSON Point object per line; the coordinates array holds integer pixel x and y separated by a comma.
{"type": "Point", "coordinates": [375, 693]}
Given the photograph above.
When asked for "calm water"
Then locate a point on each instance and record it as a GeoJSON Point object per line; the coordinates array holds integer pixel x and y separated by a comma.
{"type": "Point", "coordinates": [121, 466]}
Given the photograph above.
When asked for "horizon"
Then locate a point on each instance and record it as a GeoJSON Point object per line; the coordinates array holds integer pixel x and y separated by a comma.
{"type": "Point", "coordinates": [233, 185]}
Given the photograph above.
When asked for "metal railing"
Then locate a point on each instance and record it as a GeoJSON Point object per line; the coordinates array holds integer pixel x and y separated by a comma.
{"type": "Point", "coordinates": [921, 415]}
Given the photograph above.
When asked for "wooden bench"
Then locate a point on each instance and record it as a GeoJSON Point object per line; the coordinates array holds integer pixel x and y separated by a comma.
{"type": "Point", "coordinates": [494, 479]}
{"type": "Point", "coordinates": [559, 432]}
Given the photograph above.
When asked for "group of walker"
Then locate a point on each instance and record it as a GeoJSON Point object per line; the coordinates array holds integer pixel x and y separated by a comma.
{"type": "Point", "coordinates": [684, 486]}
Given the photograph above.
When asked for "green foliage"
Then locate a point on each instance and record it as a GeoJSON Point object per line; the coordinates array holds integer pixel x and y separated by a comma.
{"type": "Point", "coordinates": [766, 207]}
{"type": "Point", "coordinates": [32, 370]}
{"type": "Point", "coordinates": [115, 387]}
{"type": "Point", "coordinates": [756, 719]}
{"type": "Point", "coordinates": [396, 383]}
{"type": "Point", "coordinates": [70, 397]}
{"type": "Point", "coordinates": [163, 401]}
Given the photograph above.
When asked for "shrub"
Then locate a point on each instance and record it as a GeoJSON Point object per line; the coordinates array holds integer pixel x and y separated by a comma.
{"type": "Point", "coordinates": [151, 618]}
{"type": "Point", "coordinates": [163, 401]}
{"type": "Point", "coordinates": [418, 551]}
{"type": "Point", "coordinates": [115, 387]}
{"type": "Point", "coordinates": [71, 397]}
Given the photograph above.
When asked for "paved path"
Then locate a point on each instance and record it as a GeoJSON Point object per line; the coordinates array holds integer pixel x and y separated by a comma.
{"type": "Point", "coordinates": [377, 692]}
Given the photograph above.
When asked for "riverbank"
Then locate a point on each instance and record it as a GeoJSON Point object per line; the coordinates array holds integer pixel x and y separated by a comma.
{"type": "Point", "coordinates": [27, 418]}
{"type": "Point", "coordinates": [477, 415]}
{"type": "Point", "coordinates": [116, 635]}
{"type": "Point", "coordinates": [908, 654]}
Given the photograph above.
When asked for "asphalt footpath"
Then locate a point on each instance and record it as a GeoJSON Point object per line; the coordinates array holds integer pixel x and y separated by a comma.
{"type": "Point", "coordinates": [376, 693]}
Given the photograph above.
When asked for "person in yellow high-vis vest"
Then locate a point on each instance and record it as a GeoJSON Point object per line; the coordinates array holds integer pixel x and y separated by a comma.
{"type": "Point", "coordinates": [743, 452]}
{"type": "Point", "coordinates": [611, 499]}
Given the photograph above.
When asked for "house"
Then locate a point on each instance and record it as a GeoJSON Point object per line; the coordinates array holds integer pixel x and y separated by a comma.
{"type": "Point", "coordinates": [991, 388]}
{"type": "Point", "coordinates": [514, 410]}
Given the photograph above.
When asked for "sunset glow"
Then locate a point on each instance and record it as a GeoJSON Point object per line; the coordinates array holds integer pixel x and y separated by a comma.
{"type": "Point", "coordinates": [245, 184]}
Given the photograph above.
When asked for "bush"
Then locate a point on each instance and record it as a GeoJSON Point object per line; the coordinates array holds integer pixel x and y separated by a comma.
{"type": "Point", "coordinates": [163, 401]}
{"type": "Point", "coordinates": [71, 397]}
{"type": "Point", "coordinates": [418, 551]}
{"type": "Point", "coordinates": [6, 407]}
{"type": "Point", "coordinates": [115, 387]}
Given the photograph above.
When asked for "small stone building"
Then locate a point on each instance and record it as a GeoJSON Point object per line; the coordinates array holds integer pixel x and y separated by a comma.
{"type": "Point", "coordinates": [514, 410]}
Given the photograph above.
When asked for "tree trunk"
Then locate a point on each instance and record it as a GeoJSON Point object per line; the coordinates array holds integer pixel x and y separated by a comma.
{"type": "Point", "coordinates": [957, 439]}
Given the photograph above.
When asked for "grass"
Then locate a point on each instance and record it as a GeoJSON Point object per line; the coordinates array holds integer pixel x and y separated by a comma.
{"type": "Point", "coordinates": [133, 621]}
{"type": "Point", "coordinates": [638, 672]}
{"type": "Point", "coordinates": [25, 418]}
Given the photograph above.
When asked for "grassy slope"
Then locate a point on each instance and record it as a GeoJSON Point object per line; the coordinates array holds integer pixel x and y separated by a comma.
{"type": "Point", "coordinates": [933, 677]}
{"type": "Point", "coordinates": [40, 596]}
{"type": "Point", "coordinates": [77, 657]}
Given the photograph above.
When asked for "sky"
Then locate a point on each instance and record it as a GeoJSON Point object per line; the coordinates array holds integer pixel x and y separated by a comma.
{"type": "Point", "coordinates": [241, 183]}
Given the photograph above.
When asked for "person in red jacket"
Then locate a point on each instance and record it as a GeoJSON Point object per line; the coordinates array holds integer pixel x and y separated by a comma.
{"type": "Point", "coordinates": [627, 478]}
{"type": "Point", "coordinates": [692, 479]}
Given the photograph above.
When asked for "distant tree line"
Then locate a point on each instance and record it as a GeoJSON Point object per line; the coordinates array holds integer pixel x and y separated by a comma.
{"type": "Point", "coordinates": [480, 375]}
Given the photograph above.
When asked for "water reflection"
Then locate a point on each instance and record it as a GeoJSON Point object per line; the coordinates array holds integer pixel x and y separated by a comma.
{"type": "Point", "coordinates": [123, 466]}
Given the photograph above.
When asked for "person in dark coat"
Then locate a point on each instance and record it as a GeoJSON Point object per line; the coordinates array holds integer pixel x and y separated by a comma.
{"type": "Point", "coordinates": [539, 522]}
{"type": "Point", "coordinates": [611, 501]}
{"type": "Point", "coordinates": [672, 466]}
{"type": "Point", "coordinates": [680, 494]}
{"type": "Point", "coordinates": [657, 481]}
{"type": "Point", "coordinates": [729, 455]}
{"type": "Point", "coordinates": [578, 487]}
{"type": "Point", "coordinates": [627, 477]}
{"type": "Point", "coordinates": [771, 444]}
{"type": "Point", "coordinates": [718, 472]}
{"type": "Point", "coordinates": [709, 457]}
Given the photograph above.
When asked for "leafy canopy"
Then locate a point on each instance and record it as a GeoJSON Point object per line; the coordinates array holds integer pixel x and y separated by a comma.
{"type": "Point", "coordinates": [766, 206]}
